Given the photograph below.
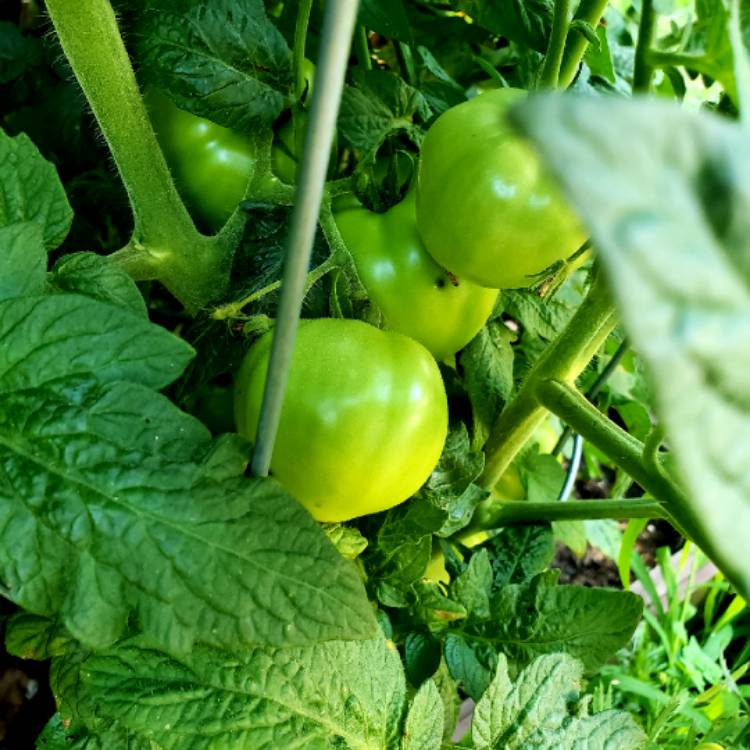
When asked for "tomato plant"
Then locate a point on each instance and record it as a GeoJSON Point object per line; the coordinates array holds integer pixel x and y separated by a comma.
{"type": "Point", "coordinates": [486, 208]}
{"type": "Point", "coordinates": [222, 486]}
{"type": "Point", "coordinates": [416, 296]}
{"type": "Point", "coordinates": [211, 164]}
{"type": "Point", "coordinates": [364, 417]}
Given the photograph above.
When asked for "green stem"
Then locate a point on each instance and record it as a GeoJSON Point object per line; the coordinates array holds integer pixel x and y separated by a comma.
{"type": "Point", "coordinates": [92, 43]}
{"type": "Point", "coordinates": [298, 53]}
{"type": "Point", "coordinates": [362, 47]}
{"type": "Point", "coordinates": [491, 71]}
{"type": "Point", "coordinates": [593, 392]}
{"type": "Point", "coordinates": [233, 310]}
{"type": "Point", "coordinates": [504, 513]}
{"type": "Point", "coordinates": [741, 62]}
{"type": "Point", "coordinates": [643, 71]}
{"type": "Point", "coordinates": [335, 45]}
{"type": "Point", "coordinates": [627, 453]}
{"type": "Point", "coordinates": [405, 61]}
{"type": "Point", "coordinates": [563, 359]}
{"type": "Point", "coordinates": [664, 59]}
{"type": "Point", "coordinates": [553, 58]}
{"type": "Point", "coordinates": [165, 243]}
{"type": "Point", "coordinates": [590, 12]}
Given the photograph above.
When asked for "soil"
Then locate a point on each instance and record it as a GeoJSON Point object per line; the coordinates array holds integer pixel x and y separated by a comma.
{"type": "Point", "coordinates": [595, 569]}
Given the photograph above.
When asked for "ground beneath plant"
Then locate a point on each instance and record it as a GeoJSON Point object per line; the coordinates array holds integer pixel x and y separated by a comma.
{"type": "Point", "coordinates": [596, 569]}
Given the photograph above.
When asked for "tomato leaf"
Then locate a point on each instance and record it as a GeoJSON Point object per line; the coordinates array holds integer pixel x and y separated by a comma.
{"type": "Point", "coordinates": [31, 190]}
{"type": "Point", "coordinates": [338, 694]}
{"type": "Point", "coordinates": [520, 552]}
{"type": "Point", "coordinates": [424, 722]}
{"type": "Point", "coordinates": [237, 80]}
{"type": "Point", "coordinates": [524, 21]}
{"type": "Point", "coordinates": [540, 617]}
{"type": "Point", "coordinates": [535, 711]}
{"type": "Point", "coordinates": [666, 194]}
{"type": "Point", "coordinates": [472, 587]}
{"type": "Point", "coordinates": [421, 656]}
{"type": "Point", "coordinates": [114, 503]}
{"type": "Point", "coordinates": [97, 277]}
{"type": "Point", "coordinates": [470, 662]}
{"type": "Point", "coordinates": [487, 364]}
{"type": "Point", "coordinates": [23, 260]}
{"type": "Point", "coordinates": [709, 45]}
{"type": "Point", "coordinates": [387, 17]}
{"type": "Point", "coordinates": [18, 52]}
{"type": "Point", "coordinates": [378, 105]}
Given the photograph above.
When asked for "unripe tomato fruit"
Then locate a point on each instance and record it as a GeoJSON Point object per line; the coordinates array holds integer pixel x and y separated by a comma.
{"type": "Point", "coordinates": [487, 209]}
{"type": "Point", "coordinates": [416, 296]}
{"type": "Point", "coordinates": [364, 420]}
{"type": "Point", "coordinates": [211, 165]}
{"type": "Point", "coordinates": [286, 154]}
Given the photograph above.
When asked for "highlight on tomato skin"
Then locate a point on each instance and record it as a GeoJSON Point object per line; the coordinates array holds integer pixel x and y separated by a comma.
{"type": "Point", "coordinates": [211, 164]}
{"type": "Point", "coordinates": [487, 209]}
{"type": "Point", "coordinates": [364, 420]}
{"type": "Point", "coordinates": [416, 295]}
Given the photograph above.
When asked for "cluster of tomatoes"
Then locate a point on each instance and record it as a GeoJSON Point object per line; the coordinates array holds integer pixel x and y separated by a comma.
{"type": "Point", "coordinates": [365, 413]}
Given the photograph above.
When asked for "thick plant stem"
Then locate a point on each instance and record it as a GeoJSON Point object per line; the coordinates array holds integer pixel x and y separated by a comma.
{"type": "Point", "coordinates": [593, 392]}
{"type": "Point", "coordinates": [165, 244]}
{"type": "Point", "coordinates": [91, 40]}
{"type": "Point", "coordinates": [643, 71]}
{"type": "Point", "coordinates": [590, 12]}
{"type": "Point", "coordinates": [504, 513]}
{"type": "Point", "coordinates": [575, 409]}
{"type": "Point", "coordinates": [564, 359]}
{"type": "Point", "coordinates": [335, 44]}
{"type": "Point", "coordinates": [553, 58]}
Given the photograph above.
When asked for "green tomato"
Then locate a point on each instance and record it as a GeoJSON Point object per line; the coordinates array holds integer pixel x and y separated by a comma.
{"type": "Point", "coordinates": [487, 209]}
{"type": "Point", "coordinates": [211, 165]}
{"type": "Point", "coordinates": [364, 420]}
{"type": "Point", "coordinates": [288, 147]}
{"type": "Point", "coordinates": [416, 296]}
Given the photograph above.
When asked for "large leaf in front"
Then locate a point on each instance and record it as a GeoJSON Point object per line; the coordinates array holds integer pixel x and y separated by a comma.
{"type": "Point", "coordinates": [342, 694]}
{"type": "Point", "coordinates": [541, 710]}
{"type": "Point", "coordinates": [114, 504]}
{"type": "Point", "coordinates": [666, 195]}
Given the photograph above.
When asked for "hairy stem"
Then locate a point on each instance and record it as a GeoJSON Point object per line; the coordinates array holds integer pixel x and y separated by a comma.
{"type": "Point", "coordinates": [165, 243]}
{"type": "Point", "coordinates": [593, 392]}
{"type": "Point", "coordinates": [91, 40]}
